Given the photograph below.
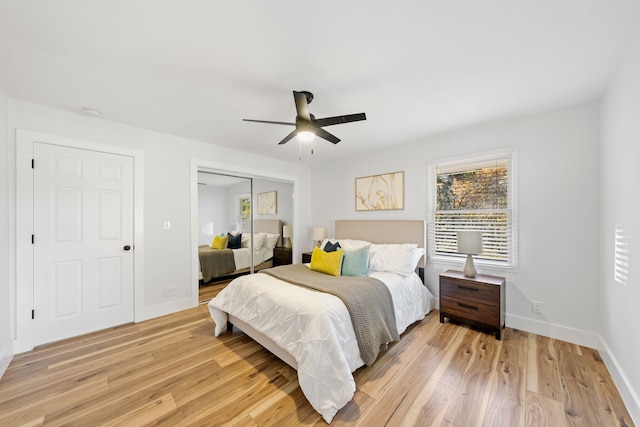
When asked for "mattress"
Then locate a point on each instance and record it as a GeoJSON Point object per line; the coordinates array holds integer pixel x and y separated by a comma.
{"type": "Point", "coordinates": [314, 328]}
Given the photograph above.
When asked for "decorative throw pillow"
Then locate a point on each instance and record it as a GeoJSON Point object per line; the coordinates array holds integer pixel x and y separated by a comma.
{"type": "Point", "coordinates": [326, 262]}
{"type": "Point", "coordinates": [234, 241]}
{"type": "Point", "coordinates": [331, 247]}
{"type": "Point", "coordinates": [219, 242]}
{"type": "Point", "coordinates": [355, 263]}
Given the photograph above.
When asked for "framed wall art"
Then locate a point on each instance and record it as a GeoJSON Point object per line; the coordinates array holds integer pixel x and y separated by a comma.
{"type": "Point", "coordinates": [380, 192]}
{"type": "Point", "coordinates": [267, 203]}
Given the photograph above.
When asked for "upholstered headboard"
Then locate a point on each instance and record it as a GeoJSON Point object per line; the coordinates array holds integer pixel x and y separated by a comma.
{"type": "Point", "coordinates": [272, 226]}
{"type": "Point", "coordinates": [384, 231]}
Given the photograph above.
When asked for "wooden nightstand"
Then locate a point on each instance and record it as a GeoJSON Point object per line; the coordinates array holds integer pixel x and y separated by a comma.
{"type": "Point", "coordinates": [306, 257]}
{"type": "Point", "coordinates": [479, 301]}
{"type": "Point", "coordinates": [282, 256]}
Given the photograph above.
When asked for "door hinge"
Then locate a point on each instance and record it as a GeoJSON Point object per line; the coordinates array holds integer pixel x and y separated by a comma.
{"type": "Point", "coordinates": [33, 314]}
{"type": "Point", "coordinates": [33, 239]}
{"type": "Point", "coordinates": [33, 163]}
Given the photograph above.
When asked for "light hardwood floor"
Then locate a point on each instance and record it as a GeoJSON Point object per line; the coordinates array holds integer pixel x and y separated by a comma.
{"type": "Point", "coordinates": [172, 371]}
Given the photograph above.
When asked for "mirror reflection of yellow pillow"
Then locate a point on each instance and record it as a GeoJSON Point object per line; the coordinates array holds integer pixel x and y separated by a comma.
{"type": "Point", "coordinates": [219, 242]}
{"type": "Point", "coordinates": [326, 262]}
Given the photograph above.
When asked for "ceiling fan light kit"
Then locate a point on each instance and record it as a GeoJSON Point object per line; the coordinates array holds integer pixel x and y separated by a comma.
{"type": "Point", "coordinates": [306, 136]}
{"type": "Point", "coordinates": [307, 126]}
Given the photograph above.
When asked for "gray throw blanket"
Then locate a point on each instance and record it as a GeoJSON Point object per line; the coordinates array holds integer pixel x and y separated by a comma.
{"type": "Point", "coordinates": [368, 301]}
{"type": "Point", "coordinates": [215, 262]}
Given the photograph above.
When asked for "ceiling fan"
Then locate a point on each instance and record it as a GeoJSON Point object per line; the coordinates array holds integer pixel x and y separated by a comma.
{"type": "Point", "coordinates": [307, 126]}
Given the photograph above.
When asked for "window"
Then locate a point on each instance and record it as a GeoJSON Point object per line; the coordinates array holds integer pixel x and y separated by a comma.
{"type": "Point", "coordinates": [477, 193]}
{"type": "Point", "coordinates": [245, 206]}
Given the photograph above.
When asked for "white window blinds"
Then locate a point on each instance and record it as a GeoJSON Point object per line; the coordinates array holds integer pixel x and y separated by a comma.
{"type": "Point", "coordinates": [477, 193]}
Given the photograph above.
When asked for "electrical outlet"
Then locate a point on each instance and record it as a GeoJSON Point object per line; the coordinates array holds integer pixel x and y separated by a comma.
{"type": "Point", "coordinates": [536, 307]}
{"type": "Point", "coordinates": [169, 292]}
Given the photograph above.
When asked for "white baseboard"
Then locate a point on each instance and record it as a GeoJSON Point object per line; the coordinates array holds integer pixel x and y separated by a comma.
{"type": "Point", "coordinates": [576, 336]}
{"type": "Point", "coordinates": [587, 339]}
{"type": "Point", "coordinates": [6, 355]}
{"type": "Point", "coordinates": [164, 309]}
{"type": "Point", "coordinates": [629, 395]}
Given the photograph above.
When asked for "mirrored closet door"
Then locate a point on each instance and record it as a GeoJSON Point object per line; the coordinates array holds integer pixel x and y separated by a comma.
{"type": "Point", "coordinates": [244, 225]}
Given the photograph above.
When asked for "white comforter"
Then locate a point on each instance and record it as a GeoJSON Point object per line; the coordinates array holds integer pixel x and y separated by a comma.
{"type": "Point", "coordinates": [314, 328]}
{"type": "Point", "coordinates": [242, 258]}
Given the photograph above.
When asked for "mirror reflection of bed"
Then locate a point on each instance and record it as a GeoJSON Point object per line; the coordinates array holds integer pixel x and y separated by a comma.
{"type": "Point", "coordinates": [219, 266]}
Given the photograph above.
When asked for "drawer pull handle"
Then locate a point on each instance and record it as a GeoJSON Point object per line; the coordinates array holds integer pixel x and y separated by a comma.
{"type": "Point", "coordinates": [467, 306]}
{"type": "Point", "coordinates": [467, 288]}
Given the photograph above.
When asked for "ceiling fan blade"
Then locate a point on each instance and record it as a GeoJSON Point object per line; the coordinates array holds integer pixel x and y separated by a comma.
{"type": "Point", "coordinates": [269, 121]}
{"type": "Point", "coordinates": [302, 106]}
{"type": "Point", "coordinates": [328, 121]}
{"type": "Point", "coordinates": [326, 135]}
{"type": "Point", "coordinates": [288, 137]}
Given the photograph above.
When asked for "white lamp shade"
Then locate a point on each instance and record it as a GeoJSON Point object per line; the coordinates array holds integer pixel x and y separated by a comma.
{"type": "Point", "coordinates": [286, 231]}
{"type": "Point", "coordinates": [319, 233]}
{"type": "Point", "coordinates": [469, 242]}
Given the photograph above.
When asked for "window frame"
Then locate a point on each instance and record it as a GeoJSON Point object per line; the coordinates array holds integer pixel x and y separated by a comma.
{"type": "Point", "coordinates": [467, 162]}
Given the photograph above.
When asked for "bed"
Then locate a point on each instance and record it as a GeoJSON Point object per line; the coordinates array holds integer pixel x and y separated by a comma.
{"type": "Point", "coordinates": [218, 263]}
{"type": "Point", "coordinates": [312, 331]}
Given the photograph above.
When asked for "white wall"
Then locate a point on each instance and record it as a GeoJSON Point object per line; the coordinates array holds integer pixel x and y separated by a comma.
{"type": "Point", "coordinates": [621, 206]}
{"type": "Point", "coordinates": [559, 212]}
{"type": "Point", "coordinates": [284, 199]}
{"type": "Point", "coordinates": [213, 215]}
{"type": "Point", "coordinates": [167, 190]}
{"type": "Point", "coordinates": [6, 342]}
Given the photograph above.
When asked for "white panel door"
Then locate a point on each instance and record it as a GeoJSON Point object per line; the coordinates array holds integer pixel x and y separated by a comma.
{"type": "Point", "coordinates": [83, 241]}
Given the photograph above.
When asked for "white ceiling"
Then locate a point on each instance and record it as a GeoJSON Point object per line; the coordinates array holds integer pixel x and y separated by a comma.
{"type": "Point", "coordinates": [416, 67]}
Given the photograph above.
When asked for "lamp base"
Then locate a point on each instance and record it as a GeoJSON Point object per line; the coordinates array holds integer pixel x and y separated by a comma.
{"type": "Point", "coordinates": [287, 243]}
{"type": "Point", "coordinates": [469, 267]}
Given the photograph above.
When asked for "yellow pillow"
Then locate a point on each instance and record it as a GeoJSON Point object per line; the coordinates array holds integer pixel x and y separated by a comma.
{"type": "Point", "coordinates": [219, 242]}
{"type": "Point", "coordinates": [326, 262]}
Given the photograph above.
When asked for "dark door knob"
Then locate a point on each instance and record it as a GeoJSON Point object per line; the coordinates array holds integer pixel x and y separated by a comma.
{"type": "Point", "coordinates": [127, 247]}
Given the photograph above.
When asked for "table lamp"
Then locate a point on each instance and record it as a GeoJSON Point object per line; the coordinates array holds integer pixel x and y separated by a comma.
{"type": "Point", "coordinates": [319, 234]}
{"type": "Point", "coordinates": [286, 235]}
{"type": "Point", "coordinates": [469, 243]}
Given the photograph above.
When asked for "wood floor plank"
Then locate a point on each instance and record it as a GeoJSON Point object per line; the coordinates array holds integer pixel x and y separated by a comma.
{"type": "Point", "coordinates": [615, 414]}
{"type": "Point", "coordinates": [22, 411]}
{"type": "Point", "coordinates": [147, 413]}
{"type": "Point", "coordinates": [406, 394]}
{"type": "Point", "coordinates": [427, 406]}
{"type": "Point", "coordinates": [473, 390]}
{"type": "Point", "coordinates": [544, 378]}
{"type": "Point", "coordinates": [543, 412]}
{"type": "Point", "coordinates": [507, 403]}
{"type": "Point", "coordinates": [580, 398]}
{"type": "Point", "coordinates": [173, 371]}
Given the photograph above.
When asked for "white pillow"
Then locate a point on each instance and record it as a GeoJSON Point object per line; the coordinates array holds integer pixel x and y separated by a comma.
{"type": "Point", "coordinates": [397, 258]}
{"type": "Point", "coordinates": [346, 244]}
{"type": "Point", "coordinates": [258, 240]}
{"type": "Point", "coordinates": [353, 245]}
{"type": "Point", "coordinates": [271, 240]}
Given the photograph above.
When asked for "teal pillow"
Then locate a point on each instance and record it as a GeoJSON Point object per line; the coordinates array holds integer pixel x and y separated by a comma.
{"type": "Point", "coordinates": [355, 263]}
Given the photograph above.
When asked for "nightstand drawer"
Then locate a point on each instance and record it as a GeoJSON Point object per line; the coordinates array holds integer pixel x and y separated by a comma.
{"type": "Point", "coordinates": [477, 292]}
{"type": "Point", "coordinates": [281, 256]}
{"type": "Point", "coordinates": [472, 310]}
